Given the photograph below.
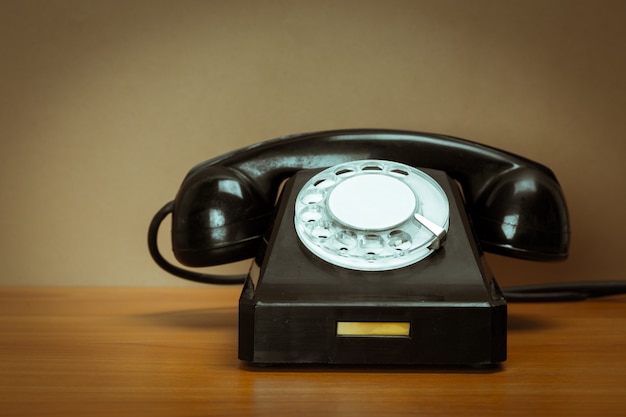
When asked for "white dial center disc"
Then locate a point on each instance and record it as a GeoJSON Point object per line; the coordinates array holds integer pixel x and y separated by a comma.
{"type": "Point", "coordinates": [372, 202]}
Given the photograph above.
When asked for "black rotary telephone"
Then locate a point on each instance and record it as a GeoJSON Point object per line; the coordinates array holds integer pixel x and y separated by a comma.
{"type": "Point", "coordinates": [367, 244]}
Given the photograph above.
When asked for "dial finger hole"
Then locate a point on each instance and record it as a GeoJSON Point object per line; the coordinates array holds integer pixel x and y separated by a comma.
{"type": "Point", "coordinates": [345, 240]}
{"type": "Point", "coordinates": [321, 232]}
{"type": "Point", "coordinates": [312, 198]}
{"type": "Point", "coordinates": [324, 183]}
{"type": "Point", "coordinates": [400, 172]}
{"type": "Point", "coordinates": [344, 172]}
{"type": "Point", "coordinates": [372, 244]}
{"type": "Point", "coordinates": [400, 240]}
{"type": "Point", "coordinates": [310, 215]}
{"type": "Point", "coordinates": [372, 167]}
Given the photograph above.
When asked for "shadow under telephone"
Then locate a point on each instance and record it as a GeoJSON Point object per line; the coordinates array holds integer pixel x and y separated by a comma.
{"type": "Point", "coordinates": [373, 252]}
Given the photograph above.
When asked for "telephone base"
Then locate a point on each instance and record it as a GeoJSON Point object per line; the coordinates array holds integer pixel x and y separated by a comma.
{"type": "Point", "coordinates": [444, 310]}
{"type": "Point", "coordinates": [435, 334]}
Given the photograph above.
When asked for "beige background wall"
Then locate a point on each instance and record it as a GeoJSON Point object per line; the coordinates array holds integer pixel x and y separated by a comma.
{"type": "Point", "coordinates": [105, 105]}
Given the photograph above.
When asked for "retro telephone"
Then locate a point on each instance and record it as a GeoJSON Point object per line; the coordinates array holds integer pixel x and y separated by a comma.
{"type": "Point", "coordinates": [367, 244]}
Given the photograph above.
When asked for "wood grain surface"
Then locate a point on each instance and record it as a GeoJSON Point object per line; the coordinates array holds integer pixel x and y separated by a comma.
{"type": "Point", "coordinates": [173, 352]}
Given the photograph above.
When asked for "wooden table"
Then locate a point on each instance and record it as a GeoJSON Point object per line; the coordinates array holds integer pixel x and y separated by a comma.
{"type": "Point", "coordinates": [173, 352]}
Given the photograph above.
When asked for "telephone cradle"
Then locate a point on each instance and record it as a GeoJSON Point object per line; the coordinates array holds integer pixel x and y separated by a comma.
{"type": "Point", "coordinates": [367, 245]}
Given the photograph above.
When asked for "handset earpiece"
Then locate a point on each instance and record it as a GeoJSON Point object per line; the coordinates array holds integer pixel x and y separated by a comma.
{"type": "Point", "coordinates": [522, 213]}
{"type": "Point", "coordinates": [218, 217]}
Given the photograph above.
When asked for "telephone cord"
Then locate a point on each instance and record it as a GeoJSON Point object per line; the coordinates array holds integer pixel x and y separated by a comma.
{"type": "Point", "coordinates": [153, 247]}
{"type": "Point", "coordinates": [551, 292]}
{"type": "Point", "coordinates": [564, 291]}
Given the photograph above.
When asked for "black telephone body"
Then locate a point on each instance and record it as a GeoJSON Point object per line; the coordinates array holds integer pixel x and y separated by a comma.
{"type": "Point", "coordinates": [367, 244]}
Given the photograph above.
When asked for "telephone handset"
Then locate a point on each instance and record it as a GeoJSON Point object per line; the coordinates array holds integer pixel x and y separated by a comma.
{"type": "Point", "coordinates": [225, 204]}
{"type": "Point", "coordinates": [374, 254]}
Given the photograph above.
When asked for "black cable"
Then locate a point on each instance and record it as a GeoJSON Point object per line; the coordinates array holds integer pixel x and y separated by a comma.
{"type": "Point", "coordinates": [565, 291]}
{"type": "Point", "coordinates": [202, 278]}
